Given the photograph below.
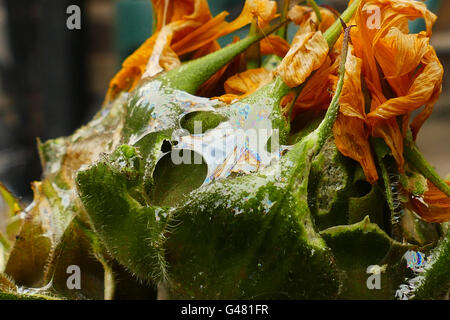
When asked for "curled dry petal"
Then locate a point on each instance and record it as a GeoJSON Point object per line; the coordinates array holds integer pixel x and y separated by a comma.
{"type": "Point", "coordinates": [397, 12]}
{"type": "Point", "coordinates": [425, 85]}
{"type": "Point", "coordinates": [244, 84]}
{"type": "Point", "coordinates": [306, 18]}
{"type": "Point", "coordinates": [167, 11]}
{"type": "Point", "coordinates": [434, 206]}
{"type": "Point", "coordinates": [391, 133]}
{"type": "Point", "coordinates": [177, 18]}
{"type": "Point", "coordinates": [248, 81]}
{"type": "Point", "coordinates": [352, 100]}
{"type": "Point", "coordinates": [264, 10]}
{"type": "Point", "coordinates": [308, 53]}
{"type": "Point", "coordinates": [354, 143]}
{"type": "Point", "coordinates": [274, 45]}
{"type": "Point", "coordinates": [218, 27]}
{"type": "Point", "coordinates": [316, 94]}
{"type": "Point", "coordinates": [406, 62]}
{"type": "Point", "coordinates": [398, 53]}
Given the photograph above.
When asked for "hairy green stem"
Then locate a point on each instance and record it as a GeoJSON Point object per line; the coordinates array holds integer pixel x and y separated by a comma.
{"type": "Point", "coordinates": [333, 32]}
{"type": "Point", "coordinates": [191, 75]}
{"type": "Point", "coordinates": [316, 9]}
{"type": "Point", "coordinates": [436, 279]}
{"type": "Point", "coordinates": [417, 160]}
{"type": "Point", "coordinates": [324, 129]}
{"type": "Point", "coordinates": [384, 175]}
{"type": "Point", "coordinates": [253, 53]}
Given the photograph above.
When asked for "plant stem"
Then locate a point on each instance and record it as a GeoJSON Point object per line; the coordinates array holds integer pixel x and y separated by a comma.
{"type": "Point", "coordinates": [324, 129]}
{"type": "Point", "coordinates": [436, 279]}
{"type": "Point", "coordinates": [191, 75]}
{"type": "Point", "coordinates": [385, 177]}
{"type": "Point", "coordinates": [282, 32]}
{"type": "Point", "coordinates": [414, 157]}
{"type": "Point", "coordinates": [253, 53]}
{"type": "Point", "coordinates": [316, 9]}
{"type": "Point", "coordinates": [333, 32]}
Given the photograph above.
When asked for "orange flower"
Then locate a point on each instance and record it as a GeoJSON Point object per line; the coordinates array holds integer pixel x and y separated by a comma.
{"type": "Point", "coordinates": [183, 27]}
{"type": "Point", "coordinates": [434, 206]}
{"type": "Point", "coordinates": [388, 57]}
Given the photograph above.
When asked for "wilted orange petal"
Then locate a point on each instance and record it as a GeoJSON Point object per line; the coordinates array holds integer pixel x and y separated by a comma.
{"type": "Point", "coordinates": [162, 53]}
{"type": "Point", "coordinates": [274, 45]}
{"type": "Point", "coordinates": [305, 16]}
{"type": "Point", "coordinates": [126, 79]}
{"type": "Point", "coordinates": [206, 49]}
{"type": "Point", "coordinates": [395, 13]}
{"type": "Point", "coordinates": [167, 11]}
{"type": "Point", "coordinates": [427, 82]}
{"type": "Point", "coordinates": [354, 143]}
{"type": "Point", "coordinates": [174, 20]}
{"type": "Point", "coordinates": [201, 36]}
{"type": "Point", "coordinates": [434, 206]}
{"type": "Point", "coordinates": [265, 10]}
{"type": "Point", "coordinates": [308, 53]}
{"type": "Point", "coordinates": [390, 132]}
{"type": "Point", "coordinates": [426, 112]}
{"type": "Point", "coordinates": [183, 26]}
{"type": "Point", "coordinates": [399, 53]}
{"type": "Point", "coordinates": [352, 100]}
{"type": "Point", "coordinates": [315, 93]}
{"type": "Point", "coordinates": [227, 98]}
{"type": "Point", "coordinates": [248, 81]}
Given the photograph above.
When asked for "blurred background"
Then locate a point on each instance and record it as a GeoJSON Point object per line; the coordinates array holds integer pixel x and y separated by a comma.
{"type": "Point", "coordinates": [53, 80]}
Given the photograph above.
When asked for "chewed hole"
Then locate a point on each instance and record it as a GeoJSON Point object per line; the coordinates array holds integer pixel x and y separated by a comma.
{"type": "Point", "coordinates": [199, 122]}
{"type": "Point", "coordinates": [176, 174]}
{"type": "Point", "coordinates": [362, 188]}
{"type": "Point", "coordinates": [166, 146]}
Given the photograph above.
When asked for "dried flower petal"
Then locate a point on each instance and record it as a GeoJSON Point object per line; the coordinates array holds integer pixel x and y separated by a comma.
{"type": "Point", "coordinates": [305, 17]}
{"type": "Point", "coordinates": [274, 45]}
{"type": "Point", "coordinates": [248, 81]}
{"type": "Point", "coordinates": [354, 143]}
{"type": "Point", "coordinates": [308, 53]}
{"type": "Point", "coordinates": [352, 99]}
{"type": "Point", "coordinates": [434, 206]}
{"type": "Point", "coordinates": [315, 94]}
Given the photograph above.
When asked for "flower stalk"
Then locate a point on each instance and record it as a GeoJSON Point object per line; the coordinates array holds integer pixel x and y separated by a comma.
{"type": "Point", "coordinates": [417, 160]}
